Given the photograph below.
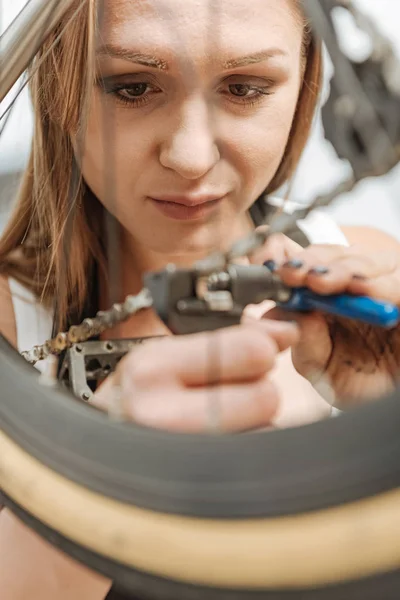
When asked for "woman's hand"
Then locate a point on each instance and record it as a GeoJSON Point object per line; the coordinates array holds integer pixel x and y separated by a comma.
{"type": "Point", "coordinates": [358, 361]}
{"type": "Point", "coordinates": [200, 382]}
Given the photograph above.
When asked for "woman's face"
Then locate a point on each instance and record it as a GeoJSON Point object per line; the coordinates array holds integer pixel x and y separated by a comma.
{"type": "Point", "coordinates": [190, 115]}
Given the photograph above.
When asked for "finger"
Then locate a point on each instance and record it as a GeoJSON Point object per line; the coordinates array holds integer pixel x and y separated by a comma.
{"type": "Point", "coordinates": [277, 249]}
{"type": "Point", "coordinates": [296, 271]}
{"type": "Point", "coordinates": [311, 354]}
{"type": "Point", "coordinates": [104, 392]}
{"type": "Point", "coordinates": [308, 324]}
{"type": "Point", "coordinates": [234, 354]}
{"type": "Point", "coordinates": [385, 287]}
{"type": "Point", "coordinates": [368, 265]}
{"type": "Point", "coordinates": [339, 274]}
{"type": "Point", "coordinates": [226, 408]}
{"type": "Point", "coordinates": [332, 262]}
{"type": "Point", "coordinates": [284, 334]}
{"type": "Point", "coordinates": [255, 312]}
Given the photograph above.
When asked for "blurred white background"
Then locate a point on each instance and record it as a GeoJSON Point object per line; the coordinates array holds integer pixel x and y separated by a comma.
{"type": "Point", "coordinates": [375, 202]}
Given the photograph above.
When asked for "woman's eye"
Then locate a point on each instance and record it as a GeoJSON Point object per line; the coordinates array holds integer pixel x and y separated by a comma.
{"type": "Point", "coordinates": [240, 89]}
{"type": "Point", "coordinates": [129, 93]}
{"type": "Point", "coordinates": [135, 90]}
{"type": "Point", "coordinates": [248, 92]}
{"type": "Point", "coordinates": [135, 94]}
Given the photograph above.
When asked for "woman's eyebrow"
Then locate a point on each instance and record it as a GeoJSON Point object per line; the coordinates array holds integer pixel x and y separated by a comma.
{"type": "Point", "coordinates": [131, 55]}
{"type": "Point", "coordinates": [251, 59]}
{"type": "Point", "coordinates": [148, 60]}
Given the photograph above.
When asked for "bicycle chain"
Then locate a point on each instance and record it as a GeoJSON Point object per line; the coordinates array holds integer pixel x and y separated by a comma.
{"type": "Point", "coordinates": [90, 327]}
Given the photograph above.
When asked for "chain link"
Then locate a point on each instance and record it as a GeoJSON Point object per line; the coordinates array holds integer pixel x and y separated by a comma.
{"type": "Point", "coordinates": [90, 328]}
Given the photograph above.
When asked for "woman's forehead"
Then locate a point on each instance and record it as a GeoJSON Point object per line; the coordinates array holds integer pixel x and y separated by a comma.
{"type": "Point", "coordinates": [217, 26]}
{"type": "Point", "coordinates": [202, 12]}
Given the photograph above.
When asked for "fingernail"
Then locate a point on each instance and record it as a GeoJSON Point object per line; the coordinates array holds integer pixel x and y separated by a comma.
{"type": "Point", "coordinates": [294, 264]}
{"type": "Point", "coordinates": [271, 265]}
{"type": "Point", "coordinates": [319, 271]}
{"type": "Point", "coordinates": [358, 277]}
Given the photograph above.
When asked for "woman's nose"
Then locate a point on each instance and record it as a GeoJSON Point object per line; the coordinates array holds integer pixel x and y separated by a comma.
{"type": "Point", "coordinates": [191, 147]}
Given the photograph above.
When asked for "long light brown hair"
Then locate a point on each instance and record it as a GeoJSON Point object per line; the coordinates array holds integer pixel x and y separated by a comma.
{"type": "Point", "coordinates": [54, 208]}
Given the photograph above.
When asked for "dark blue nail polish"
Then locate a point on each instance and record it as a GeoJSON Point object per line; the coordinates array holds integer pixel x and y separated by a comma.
{"type": "Point", "coordinates": [295, 263]}
{"type": "Point", "coordinates": [319, 271]}
{"type": "Point", "coordinates": [271, 265]}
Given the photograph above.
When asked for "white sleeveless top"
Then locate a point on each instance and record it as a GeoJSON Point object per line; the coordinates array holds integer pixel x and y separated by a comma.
{"type": "Point", "coordinates": [34, 323]}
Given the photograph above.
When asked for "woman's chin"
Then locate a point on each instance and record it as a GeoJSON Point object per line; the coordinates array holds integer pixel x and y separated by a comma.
{"type": "Point", "coordinates": [195, 242]}
{"type": "Point", "coordinates": [186, 254]}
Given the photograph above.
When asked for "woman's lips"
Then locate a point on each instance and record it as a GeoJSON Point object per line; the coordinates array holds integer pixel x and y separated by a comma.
{"type": "Point", "coordinates": [186, 210]}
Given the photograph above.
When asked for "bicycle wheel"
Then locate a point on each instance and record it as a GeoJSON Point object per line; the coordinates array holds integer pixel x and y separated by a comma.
{"type": "Point", "coordinates": [138, 504]}
{"type": "Point", "coordinates": [263, 515]}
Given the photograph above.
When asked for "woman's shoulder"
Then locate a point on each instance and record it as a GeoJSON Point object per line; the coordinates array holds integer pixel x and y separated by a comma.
{"type": "Point", "coordinates": [7, 317]}
{"type": "Point", "coordinates": [27, 322]}
{"type": "Point", "coordinates": [318, 227]}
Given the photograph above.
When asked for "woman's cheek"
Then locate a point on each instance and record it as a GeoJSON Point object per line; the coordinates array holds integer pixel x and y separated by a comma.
{"type": "Point", "coordinates": [263, 154]}
{"type": "Point", "coordinates": [112, 169]}
{"type": "Point", "coordinates": [271, 139]}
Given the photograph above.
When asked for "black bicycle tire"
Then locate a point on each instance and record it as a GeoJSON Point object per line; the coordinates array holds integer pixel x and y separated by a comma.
{"type": "Point", "coordinates": [135, 584]}
{"type": "Point", "coordinates": [385, 418]}
{"type": "Point", "coordinates": [244, 476]}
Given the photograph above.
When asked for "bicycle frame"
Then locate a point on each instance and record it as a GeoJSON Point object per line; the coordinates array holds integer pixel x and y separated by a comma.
{"type": "Point", "coordinates": [23, 38]}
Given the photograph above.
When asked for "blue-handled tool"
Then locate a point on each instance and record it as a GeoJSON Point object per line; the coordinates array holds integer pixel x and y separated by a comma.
{"type": "Point", "coordinates": [361, 308]}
